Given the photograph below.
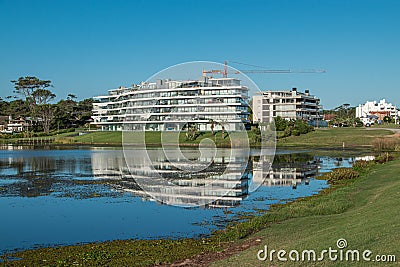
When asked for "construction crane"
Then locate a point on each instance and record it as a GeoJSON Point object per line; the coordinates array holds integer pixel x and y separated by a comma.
{"type": "Point", "coordinates": [224, 72]}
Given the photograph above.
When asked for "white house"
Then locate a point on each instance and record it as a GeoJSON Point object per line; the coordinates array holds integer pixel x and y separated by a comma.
{"type": "Point", "coordinates": [378, 110]}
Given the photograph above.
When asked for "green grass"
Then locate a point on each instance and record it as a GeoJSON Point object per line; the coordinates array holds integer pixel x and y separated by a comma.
{"type": "Point", "coordinates": [152, 138]}
{"type": "Point", "coordinates": [365, 213]}
{"type": "Point", "coordinates": [364, 210]}
{"type": "Point", "coordinates": [99, 137]}
{"type": "Point", "coordinates": [115, 253]}
{"type": "Point", "coordinates": [334, 138]}
{"type": "Point", "coordinates": [324, 138]}
{"type": "Point", "coordinates": [387, 125]}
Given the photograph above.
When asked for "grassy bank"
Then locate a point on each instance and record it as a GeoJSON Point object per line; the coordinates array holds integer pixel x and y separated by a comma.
{"type": "Point", "coordinates": [320, 138]}
{"type": "Point", "coordinates": [324, 138]}
{"type": "Point", "coordinates": [334, 138]}
{"type": "Point", "coordinates": [152, 138]}
{"type": "Point", "coordinates": [363, 210]}
{"type": "Point", "coordinates": [387, 125]}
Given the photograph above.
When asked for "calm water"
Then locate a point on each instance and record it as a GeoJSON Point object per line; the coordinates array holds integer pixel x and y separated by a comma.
{"type": "Point", "coordinates": [69, 196]}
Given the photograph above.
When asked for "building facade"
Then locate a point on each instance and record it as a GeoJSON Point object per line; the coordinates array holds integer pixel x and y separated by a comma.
{"type": "Point", "coordinates": [8, 124]}
{"type": "Point", "coordinates": [288, 104]}
{"type": "Point", "coordinates": [173, 105]}
{"type": "Point", "coordinates": [377, 110]}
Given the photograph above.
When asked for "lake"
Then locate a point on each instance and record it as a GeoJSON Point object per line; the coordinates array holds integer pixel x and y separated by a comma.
{"type": "Point", "coordinates": [63, 196]}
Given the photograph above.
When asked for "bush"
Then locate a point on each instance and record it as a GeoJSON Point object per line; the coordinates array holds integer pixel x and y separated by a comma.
{"type": "Point", "coordinates": [296, 132]}
{"type": "Point", "coordinates": [293, 127]}
{"type": "Point", "coordinates": [255, 136]}
{"type": "Point", "coordinates": [340, 174]}
{"type": "Point", "coordinates": [287, 132]}
{"type": "Point", "coordinates": [302, 127]}
{"type": "Point", "coordinates": [384, 157]}
{"type": "Point", "coordinates": [385, 144]}
{"type": "Point", "coordinates": [363, 166]}
{"type": "Point", "coordinates": [41, 134]}
{"type": "Point", "coordinates": [358, 122]}
{"type": "Point", "coordinates": [281, 124]}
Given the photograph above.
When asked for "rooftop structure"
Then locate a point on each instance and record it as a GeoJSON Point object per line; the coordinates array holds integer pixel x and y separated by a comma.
{"type": "Point", "coordinates": [288, 104]}
{"type": "Point", "coordinates": [172, 105]}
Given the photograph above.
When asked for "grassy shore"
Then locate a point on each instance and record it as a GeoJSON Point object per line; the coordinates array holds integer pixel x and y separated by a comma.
{"type": "Point", "coordinates": [331, 138]}
{"type": "Point", "coordinates": [335, 138]}
{"type": "Point", "coordinates": [365, 212]}
{"type": "Point", "coordinates": [324, 138]}
{"type": "Point", "coordinates": [362, 210]}
{"type": "Point", "coordinates": [152, 138]}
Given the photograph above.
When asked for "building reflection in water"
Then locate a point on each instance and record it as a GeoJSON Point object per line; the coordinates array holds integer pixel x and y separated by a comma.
{"type": "Point", "coordinates": [225, 180]}
{"type": "Point", "coordinates": [216, 186]}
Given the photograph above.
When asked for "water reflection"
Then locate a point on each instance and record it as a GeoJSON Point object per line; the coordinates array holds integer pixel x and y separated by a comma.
{"type": "Point", "coordinates": [225, 189]}
{"type": "Point", "coordinates": [43, 172]}
{"type": "Point", "coordinates": [33, 173]}
{"type": "Point", "coordinates": [92, 196]}
{"type": "Point", "coordinates": [287, 170]}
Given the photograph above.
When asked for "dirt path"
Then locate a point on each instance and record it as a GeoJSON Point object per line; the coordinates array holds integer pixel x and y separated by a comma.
{"type": "Point", "coordinates": [206, 259]}
{"type": "Point", "coordinates": [394, 130]}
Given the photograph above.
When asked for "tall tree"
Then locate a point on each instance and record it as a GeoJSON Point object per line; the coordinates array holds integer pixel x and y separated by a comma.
{"type": "Point", "coordinates": [71, 97]}
{"type": "Point", "coordinates": [38, 98]}
{"type": "Point", "coordinates": [27, 86]}
{"type": "Point", "coordinates": [46, 115]}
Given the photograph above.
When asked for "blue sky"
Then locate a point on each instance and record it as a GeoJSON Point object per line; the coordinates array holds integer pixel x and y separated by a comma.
{"type": "Point", "coordinates": [88, 47]}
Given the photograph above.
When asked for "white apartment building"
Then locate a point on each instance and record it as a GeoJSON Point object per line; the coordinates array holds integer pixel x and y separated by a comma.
{"type": "Point", "coordinates": [379, 109]}
{"type": "Point", "coordinates": [288, 104]}
{"type": "Point", "coordinates": [172, 105]}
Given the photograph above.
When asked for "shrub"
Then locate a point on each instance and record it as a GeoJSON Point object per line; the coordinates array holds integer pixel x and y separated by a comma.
{"type": "Point", "coordinates": [384, 157]}
{"type": "Point", "coordinates": [363, 166]}
{"type": "Point", "coordinates": [296, 132]}
{"type": "Point", "coordinates": [292, 127]}
{"type": "Point", "coordinates": [340, 174]}
{"type": "Point", "coordinates": [287, 132]}
{"type": "Point", "coordinates": [302, 127]}
{"type": "Point", "coordinates": [256, 135]}
{"type": "Point", "coordinates": [385, 144]}
{"type": "Point", "coordinates": [281, 124]}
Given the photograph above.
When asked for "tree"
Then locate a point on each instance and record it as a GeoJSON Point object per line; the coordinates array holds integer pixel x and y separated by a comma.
{"type": "Point", "coordinates": [27, 86]}
{"type": "Point", "coordinates": [69, 113]}
{"type": "Point", "coordinates": [280, 123]}
{"type": "Point", "coordinates": [387, 119]}
{"type": "Point", "coordinates": [71, 97]}
{"type": "Point", "coordinates": [38, 98]}
{"type": "Point", "coordinates": [84, 111]}
{"type": "Point", "coordinates": [42, 96]}
{"type": "Point", "coordinates": [212, 126]}
{"type": "Point", "coordinates": [46, 113]}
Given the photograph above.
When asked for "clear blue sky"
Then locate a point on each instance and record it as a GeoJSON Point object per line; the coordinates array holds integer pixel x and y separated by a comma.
{"type": "Point", "coordinates": [88, 47]}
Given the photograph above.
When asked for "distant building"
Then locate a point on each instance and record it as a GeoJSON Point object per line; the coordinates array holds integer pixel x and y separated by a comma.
{"type": "Point", "coordinates": [3, 122]}
{"type": "Point", "coordinates": [288, 104]}
{"type": "Point", "coordinates": [378, 110]}
{"type": "Point", "coordinates": [329, 116]}
{"type": "Point", "coordinates": [10, 125]}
